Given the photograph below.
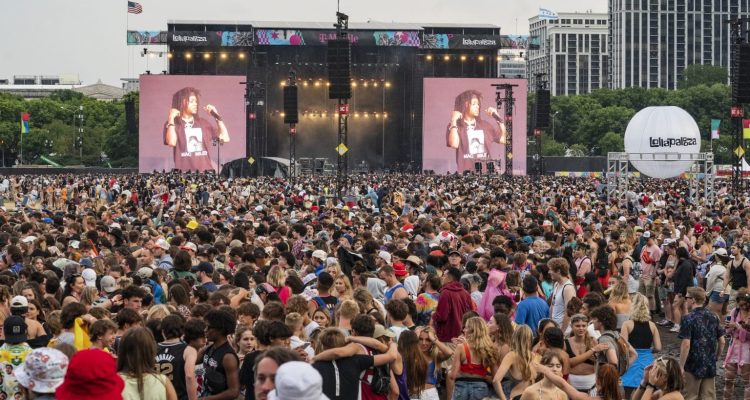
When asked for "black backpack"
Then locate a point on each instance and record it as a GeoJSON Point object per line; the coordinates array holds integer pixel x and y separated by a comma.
{"type": "Point", "coordinates": [602, 266]}
{"type": "Point", "coordinates": [381, 379]}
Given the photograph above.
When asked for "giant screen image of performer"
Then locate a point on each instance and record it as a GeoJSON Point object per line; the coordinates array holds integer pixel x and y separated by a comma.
{"type": "Point", "coordinates": [462, 127]}
{"type": "Point", "coordinates": [190, 123]}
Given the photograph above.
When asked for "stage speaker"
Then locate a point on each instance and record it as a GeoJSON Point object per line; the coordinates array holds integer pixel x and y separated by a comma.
{"type": "Point", "coordinates": [291, 115]}
{"type": "Point", "coordinates": [130, 121]}
{"type": "Point", "coordinates": [743, 75]}
{"type": "Point", "coordinates": [339, 69]}
{"type": "Point", "coordinates": [541, 110]}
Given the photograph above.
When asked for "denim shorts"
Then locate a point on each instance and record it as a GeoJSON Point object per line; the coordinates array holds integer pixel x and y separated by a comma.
{"type": "Point", "coordinates": [467, 390]}
{"type": "Point", "coordinates": [718, 299]}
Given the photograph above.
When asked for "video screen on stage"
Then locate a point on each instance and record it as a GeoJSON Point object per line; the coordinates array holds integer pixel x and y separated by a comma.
{"type": "Point", "coordinates": [463, 127]}
{"type": "Point", "coordinates": [190, 123]}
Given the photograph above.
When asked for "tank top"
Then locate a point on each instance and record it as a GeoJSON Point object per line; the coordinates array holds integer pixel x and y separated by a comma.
{"type": "Point", "coordinates": [215, 377]}
{"type": "Point", "coordinates": [738, 274]}
{"type": "Point", "coordinates": [470, 368]}
{"type": "Point", "coordinates": [641, 336]}
{"type": "Point", "coordinates": [170, 362]}
{"type": "Point", "coordinates": [154, 387]}
{"type": "Point", "coordinates": [571, 354]}
{"type": "Point", "coordinates": [390, 291]}
{"type": "Point", "coordinates": [403, 390]}
{"type": "Point", "coordinates": [431, 379]}
{"type": "Point", "coordinates": [558, 301]}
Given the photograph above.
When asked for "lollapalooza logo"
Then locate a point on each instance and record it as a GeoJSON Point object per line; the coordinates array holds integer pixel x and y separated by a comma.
{"type": "Point", "coordinates": [180, 38]}
{"type": "Point", "coordinates": [479, 42]}
{"type": "Point", "coordinates": [670, 142]}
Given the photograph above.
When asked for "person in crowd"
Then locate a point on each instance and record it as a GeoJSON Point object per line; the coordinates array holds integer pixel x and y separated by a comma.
{"type": "Point", "coordinates": [176, 359]}
{"type": "Point", "coordinates": [453, 303]}
{"type": "Point", "coordinates": [435, 352]}
{"type": "Point", "coordinates": [516, 371]}
{"type": "Point", "coordinates": [715, 282]}
{"type": "Point", "coordinates": [702, 342]}
{"type": "Point", "coordinates": [136, 363]}
{"type": "Point", "coordinates": [220, 362]}
{"type": "Point", "coordinates": [91, 375]}
{"type": "Point", "coordinates": [620, 301]}
{"type": "Point", "coordinates": [563, 291]}
{"type": "Point", "coordinates": [581, 349]}
{"type": "Point", "coordinates": [41, 373]}
{"type": "Point", "coordinates": [738, 354]}
{"type": "Point", "coordinates": [661, 380]}
{"type": "Point", "coordinates": [473, 362]}
{"type": "Point", "coordinates": [546, 389]}
{"type": "Point", "coordinates": [644, 337]}
{"type": "Point", "coordinates": [268, 363]}
{"type": "Point", "coordinates": [531, 309]}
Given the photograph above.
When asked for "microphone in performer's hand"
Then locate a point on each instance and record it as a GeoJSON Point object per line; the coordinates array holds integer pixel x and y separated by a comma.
{"type": "Point", "coordinates": [214, 114]}
{"type": "Point", "coordinates": [494, 114]}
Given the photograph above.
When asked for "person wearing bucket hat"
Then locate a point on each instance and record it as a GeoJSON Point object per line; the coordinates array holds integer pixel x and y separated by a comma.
{"type": "Point", "coordinates": [12, 352]}
{"type": "Point", "coordinates": [297, 380]}
{"type": "Point", "coordinates": [91, 375]}
{"type": "Point", "coordinates": [41, 373]}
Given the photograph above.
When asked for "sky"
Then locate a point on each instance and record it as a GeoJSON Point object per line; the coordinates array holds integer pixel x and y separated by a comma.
{"type": "Point", "coordinates": [88, 37]}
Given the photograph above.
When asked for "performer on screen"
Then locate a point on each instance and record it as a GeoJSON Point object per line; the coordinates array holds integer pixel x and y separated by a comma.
{"type": "Point", "coordinates": [469, 134]}
{"type": "Point", "coordinates": [189, 134]}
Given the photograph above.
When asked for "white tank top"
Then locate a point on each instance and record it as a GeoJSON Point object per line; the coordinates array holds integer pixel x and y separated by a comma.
{"type": "Point", "coordinates": [558, 301]}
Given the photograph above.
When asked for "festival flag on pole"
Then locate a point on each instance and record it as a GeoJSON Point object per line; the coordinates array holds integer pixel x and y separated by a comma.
{"type": "Point", "coordinates": [715, 128]}
{"type": "Point", "coordinates": [24, 122]}
{"type": "Point", "coordinates": [746, 128]}
{"type": "Point", "coordinates": [134, 8]}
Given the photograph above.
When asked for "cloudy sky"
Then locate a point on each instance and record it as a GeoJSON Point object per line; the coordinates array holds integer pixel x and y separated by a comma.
{"type": "Point", "coordinates": [87, 37]}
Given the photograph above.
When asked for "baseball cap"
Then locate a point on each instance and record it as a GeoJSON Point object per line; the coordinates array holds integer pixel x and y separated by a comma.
{"type": "Point", "coordinates": [145, 272]}
{"type": "Point", "coordinates": [320, 255]}
{"type": "Point", "coordinates": [721, 252]}
{"type": "Point", "coordinates": [162, 244]}
{"type": "Point", "coordinates": [190, 246]}
{"type": "Point", "coordinates": [386, 256]}
{"type": "Point", "coordinates": [21, 301]}
{"type": "Point", "coordinates": [89, 277]}
{"type": "Point", "coordinates": [43, 370]}
{"type": "Point", "coordinates": [204, 266]}
{"type": "Point", "coordinates": [414, 260]}
{"type": "Point", "coordinates": [399, 269]}
{"type": "Point", "coordinates": [647, 234]}
{"type": "Point", "coordinates": [14, 329]}
{"type": "Point", "coordinates": [86, 262]}
{"type": "Point", "coordinates": [299, 381]}
{"type": "Point", "coordinates": [381, 331]}
{"type": "Point", "coordinates": [108, 284]}
{"type": "Point", "coordinates": [91, 375]}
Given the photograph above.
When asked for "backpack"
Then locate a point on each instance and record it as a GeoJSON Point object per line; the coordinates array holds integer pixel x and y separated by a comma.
{"type": "Point", "coordinates": [602, 266]}
{"type": "Point", "coordinates": [381, 379]}
{"type": "Point", "coordinates": [623, 362]}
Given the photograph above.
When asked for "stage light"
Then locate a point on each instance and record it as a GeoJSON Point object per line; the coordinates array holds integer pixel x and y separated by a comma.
{"type": "Point", "coordinates": [367, 115]}
{"type": "Point", "coordinates": [377, 115]}
{"type": "Point", "coordinates": [317, 83]}
{"type": "Point", "coordinates": [169, 56]}
{"type": "Point", "coordinates": [282, 83]}
{"type": "Point", "coordinates": [365, 84]}
{"type": "Point", "coordinates": [481, 58]}
{"type": "Point", "coordinates": [324, 115]}
{"type": "Point", "coordinates": [463, 58]}
{"type": "Point", "coordinates": [188, 55]}
{"type": "Point", "coordinates": [223, 56]}
{"type": "Point", "coordinates": [498, 58]}
{"type": "Point", "coordinates": [429, 57]}
{"type": "Point", "coordinates": [328, 84]}
{"type": "Point", "coordinates": [446, 57]}
{"type": "Point", "coordinates": [375, 84]}
{"type": "Point", "coordinates": [354, 84]}
{"type": "Point", "coordinates": [387, 84]}
{"type": "Point", "coordinates": [242, 56]}
{"type": "Point", "coordinates": [336, 115]}
{"type": "Point", "coordinates": [356, 115]}
{"type": "Point", "coordinates": [282, 115]}
{"type": "Point", "coordinates": [385, 115]}
{"type": "Point", "coordinates": [206, 56]}
{"type": "Point", "coordinates": [304, 83]}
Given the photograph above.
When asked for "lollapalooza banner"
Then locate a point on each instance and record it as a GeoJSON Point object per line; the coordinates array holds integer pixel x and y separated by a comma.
{"type": "Point", "coordinates": [210, 38]}
{"type": "Point", "coordinates": [467, 42]}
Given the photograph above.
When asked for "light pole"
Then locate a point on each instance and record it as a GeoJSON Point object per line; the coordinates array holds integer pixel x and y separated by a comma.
{"type": "Point", "coordinates": [553, 124]}
{"type": "Point", "coordinates": [78, 142]}
{"type": "Point", "coordinates": [217, 142]}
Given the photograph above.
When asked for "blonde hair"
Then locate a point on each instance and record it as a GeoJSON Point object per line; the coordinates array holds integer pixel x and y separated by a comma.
{"type": "Point", "coordinates": [348, 293]}
{"type": "Point", "coordinates": [158, 311]}
{"type": "Point", "coordinates": [348, 309]}
{"type": "Point", "coordinates": [639, 309]}
{"type": "Point", "coordinates": [89, 295]}
{"type": "Point", "coordinates": [619, 292]}
{"type": "Point", "coordinates": [520, 344]}
{"type": "Point", "coordinates": [276, 277]}
{"type": "Point", "coordinates": [479, 341]}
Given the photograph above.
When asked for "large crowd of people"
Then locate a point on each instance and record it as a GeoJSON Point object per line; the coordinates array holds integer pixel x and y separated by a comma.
{"type": "Point", "coordinates": [465, 287]}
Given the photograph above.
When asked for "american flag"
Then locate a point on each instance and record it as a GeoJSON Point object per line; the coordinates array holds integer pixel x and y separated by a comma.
{"type": "Point", "coordinates": [134, 8]}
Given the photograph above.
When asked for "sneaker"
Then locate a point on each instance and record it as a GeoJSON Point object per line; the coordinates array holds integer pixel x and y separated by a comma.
{"type": "Point", "coordinates": [675, 328]}
{"type": "Point", "coordinates": [664, 322]}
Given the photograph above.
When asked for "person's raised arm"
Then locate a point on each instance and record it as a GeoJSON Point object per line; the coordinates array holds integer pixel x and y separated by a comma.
{"type": "Point", "coordinates": [453, 140]}
{"type": "Point", "coordinates": [372, 343]}
{"type": "Point", "coordinates": [338, 352]}
{"type": "Point", "coordinates": [573, 393]}
{"type": "Point", "coordinates": [170, 132]}
{"type": "Point", "coordinates": [387, 357]}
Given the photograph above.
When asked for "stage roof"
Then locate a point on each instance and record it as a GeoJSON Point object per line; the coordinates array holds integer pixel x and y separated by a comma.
{"type": "Point", "coordinates": [372, 25]}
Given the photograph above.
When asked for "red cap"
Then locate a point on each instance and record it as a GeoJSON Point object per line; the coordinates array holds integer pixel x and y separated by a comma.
{"type": "Point", "coordinates": [716, 228]}
{"type": "Point", "coordinates": [399, 269]}
{"type": "Point", "coordinates": [92, 374]}
{"type": "Point", "coordinates": [438, 253]}
{"type": "Point", "coordinates": [698, 228]}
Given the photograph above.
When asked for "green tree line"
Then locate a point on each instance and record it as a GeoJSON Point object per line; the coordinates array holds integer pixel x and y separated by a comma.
{"type": "Point", "coordinates": [595, 123]}
{"type": "Point", "coordinates": [54, 122]}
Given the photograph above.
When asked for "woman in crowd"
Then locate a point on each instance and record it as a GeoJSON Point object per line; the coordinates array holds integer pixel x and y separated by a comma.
{"type": "Point", "coordinates": [581, 349]}
{"type": "Point", "coordinates": [73, 288]}
{"type": "Point", "coordinates": [643, 335]}
{"type": "Point", "coordinates": [244, 341]}
{"type": "Point", "coordinates": [663, 380]}
{"type": "Point", "coordinates": [180, 299]}
{"type": "Point", "coordinates": [322, 318]}
{"type": "Point", "coordinates": [136, 363]}
{"type": "Point", "coordinates": [607, 384]}
{"type": "Point", "coordinates": [545, 388]}
{"type": "Point", "coordinates": [277, 280]}
{"type": "Point", "coordinates": [516, 371]}
{"type": "Point", "coordinates": [737, 360]}
{"type": "Point", "coordinates": [473, 362]}
{"type": "Point", "coordinates": [501, 332]}
{"type": "Point", "coordinates": [415, 368]}
{"type": "Point", "coordinates": [619, 300]}
{"type": "Point", "coordinates": [715, 283]}
{"type": "Point", "coordinates": [342, 288]}
{"type": "Point", "coordinates": [435, 352]}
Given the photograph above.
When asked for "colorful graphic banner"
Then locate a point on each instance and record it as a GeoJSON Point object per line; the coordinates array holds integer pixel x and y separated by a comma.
{"type": "Point", "coordinates": [299, 37]}
{"type": "Point", "coordinates": [24, 122]}
{"type": "Point", "coordinates": [746, 128]}
{"type": "Point", "coordinates": [137, 38]}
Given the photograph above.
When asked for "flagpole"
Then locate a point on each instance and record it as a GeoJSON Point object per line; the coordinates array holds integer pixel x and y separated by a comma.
{"type": "Point", "coordinates": [20, 151]}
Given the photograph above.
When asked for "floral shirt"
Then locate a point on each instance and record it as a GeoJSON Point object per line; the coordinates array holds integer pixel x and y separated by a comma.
{"type": "Point", "coordinates": [11, 356]}
{"type": "Point", "coordinates": [703, 329]}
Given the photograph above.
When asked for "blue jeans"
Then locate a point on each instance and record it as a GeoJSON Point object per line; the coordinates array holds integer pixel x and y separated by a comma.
{"type": "Point", "coordinates": [470, 390]}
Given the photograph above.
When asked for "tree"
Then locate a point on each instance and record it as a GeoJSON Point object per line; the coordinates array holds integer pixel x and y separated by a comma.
{"type": "Point", "coordinates": [611, 142]}
{"type": "Point", "coordinates": [551, 147]}
{"type": "Point", "coordinates": [697, 74]}
{"type": "Point", "coordinates": [578, 150]}
{"type": "Point", "coordinates": [597, 122]}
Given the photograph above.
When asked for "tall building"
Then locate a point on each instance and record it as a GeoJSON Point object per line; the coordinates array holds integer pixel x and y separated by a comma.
{"type": "Point", "coordinates": [511, 63]}
{"type": "Point", "coordinates": [652, 41]}
{"type": "Point", "coordinates": [573, 52]}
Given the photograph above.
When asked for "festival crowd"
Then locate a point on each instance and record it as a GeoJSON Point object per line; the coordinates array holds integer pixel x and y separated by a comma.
{"type": "Point", "coordinates": [465, 287]}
